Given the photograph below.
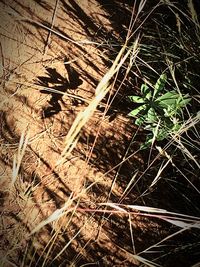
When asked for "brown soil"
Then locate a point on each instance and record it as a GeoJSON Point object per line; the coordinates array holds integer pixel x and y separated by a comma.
{"type": "Point", "coordinates": [31, 60]}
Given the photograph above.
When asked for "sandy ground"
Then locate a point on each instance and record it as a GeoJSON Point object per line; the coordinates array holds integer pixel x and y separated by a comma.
{"type": "Point", "coordinates": [71, 58]}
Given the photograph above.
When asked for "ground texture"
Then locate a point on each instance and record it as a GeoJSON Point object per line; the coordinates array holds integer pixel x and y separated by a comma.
{"type": "Point", "coordinates": [68, 46]}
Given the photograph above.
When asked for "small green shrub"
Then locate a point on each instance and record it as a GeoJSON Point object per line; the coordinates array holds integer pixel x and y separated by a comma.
{"type": "Point", "coordinates": [159, 111]}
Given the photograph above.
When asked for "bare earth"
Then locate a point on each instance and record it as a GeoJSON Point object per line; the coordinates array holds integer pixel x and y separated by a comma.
{"type": "Point", "coordinates": [71, 59]}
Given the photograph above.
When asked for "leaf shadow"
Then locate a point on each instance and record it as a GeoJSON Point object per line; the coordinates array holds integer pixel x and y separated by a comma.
{"type": "Point", "coordinates": [56, 85]}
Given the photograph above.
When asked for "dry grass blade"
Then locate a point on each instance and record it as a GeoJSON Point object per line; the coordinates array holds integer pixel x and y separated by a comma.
{"type": "Point", "coordinates": [180, 220]}
{"type": "Point", "coordinates": [60, 209]}
{"type": "Point", "coordinates": [67, 245]}
{"type": "Point", "coordinates": [19, 156]}
{"type": "Point", "coordinates": [58, 213]}
{"type": "Point", "coordinates": [145, 261]}
{"type": "Point", "coordinates": [77, 42]}
{"type": "Point", "coordinates": [193, 12]}
{"type": "Point", "coordinates": [54, 216]}
{"type": "Point", "coordinates": [52, 24]}
{"type": "Point", "coordinates": [182, 224]}
{"type": "Point", "coordinates": [196, 265]}
{"type": "Point", "coordinates": [101, 91]}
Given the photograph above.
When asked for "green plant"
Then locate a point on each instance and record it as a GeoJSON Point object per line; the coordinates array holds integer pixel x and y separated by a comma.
{"type": "Point", "coordinates": [159, 111]}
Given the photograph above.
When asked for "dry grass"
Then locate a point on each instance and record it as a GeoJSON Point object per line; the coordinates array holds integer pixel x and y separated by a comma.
{"type": "Point", "coordinates": [76, 189]}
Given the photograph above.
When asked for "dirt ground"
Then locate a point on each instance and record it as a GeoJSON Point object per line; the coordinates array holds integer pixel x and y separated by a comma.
{"type": "Point", "coordinates": [71, 59]}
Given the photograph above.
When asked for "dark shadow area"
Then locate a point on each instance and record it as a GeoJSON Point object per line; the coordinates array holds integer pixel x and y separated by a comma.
{"type": "Point", "coordinates": [57, 82]}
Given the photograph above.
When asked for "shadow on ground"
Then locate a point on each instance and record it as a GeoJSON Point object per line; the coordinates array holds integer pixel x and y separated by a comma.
{"type": "Point", "coordinates": [105, 245]}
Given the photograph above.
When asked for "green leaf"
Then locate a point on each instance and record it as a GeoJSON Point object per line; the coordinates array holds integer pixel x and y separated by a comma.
{"type": "Point", "coordinates": [176, 128]}
{"type": "Point", "coordinates": [147, 142]}
{"type": "Point", "coordinates": [165, 109]}
{"type": "Point", "coordinates": [151, 115]}
{"type": "Point", "coordinates": [183, 101]}
{"type": "Point", "coordinates": [135, 111]}
{"type": "Point", "coordinates": [140, 120]}
{"type": "Point", "coordinates": [160, 84]}
{"type": "Point", "coordinates": [169, 112]}
{"type": "Point", "coordinates": [136, 99]}
{"type": "Point", "coordinates": [162, 135]}
{"type": "Point", "coordinates": [146, 91]}
{"type": "Point", "coordinates": [168, 99]}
